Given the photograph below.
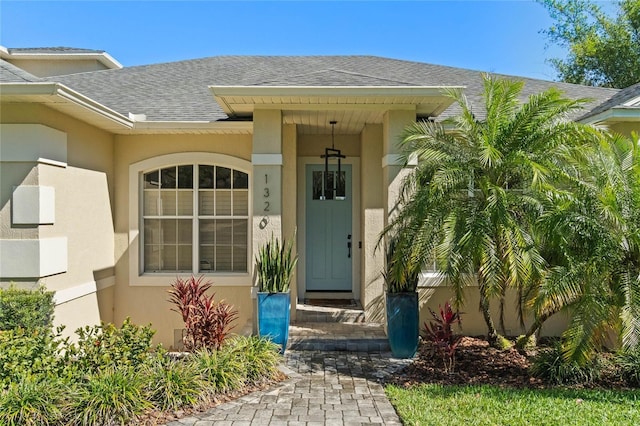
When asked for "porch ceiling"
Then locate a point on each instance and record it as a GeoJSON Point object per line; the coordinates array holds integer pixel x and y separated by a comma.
{"type": "Point", "coordinates": [312, 107]}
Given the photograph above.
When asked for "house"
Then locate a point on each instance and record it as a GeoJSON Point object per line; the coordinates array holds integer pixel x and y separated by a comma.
{"type": "Point", "coordinates": [115, 180]}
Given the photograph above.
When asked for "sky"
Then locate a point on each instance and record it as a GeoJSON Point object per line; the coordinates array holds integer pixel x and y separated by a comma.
{"type": "Point", "coordinates": [495, 36]}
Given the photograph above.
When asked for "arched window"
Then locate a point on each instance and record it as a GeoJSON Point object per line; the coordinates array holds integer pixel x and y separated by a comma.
{"type": "Point", "coordinates": [195, 218]}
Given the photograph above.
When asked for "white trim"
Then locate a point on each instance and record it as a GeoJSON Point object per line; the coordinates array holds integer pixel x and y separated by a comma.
{"type": "Point", "coordinates": [103, 57]}
{"type": "Point", "coordinates": [266, 159]}
{"type": "Point", "coordinates": [324, 91]}
{"type": "Point", "coordinates": [223, 127]}
{"type": "Point", "coordinates": [81, 290]}
{"type": "Point", "coordinates": [61, 92]}
{"type": "Point", "coordinates": [396, 160]}
{"type": "Point", "coordinates": [35, 258]}
{"type": "Point", "coordinates": [33, 205]}
{"type": "Point", "coordinates": [136, 276]}
{"type": "Point", "coordinates": [106, 282]}
{"type": "Point", "coordinates": [633, 102]}
{"type": "Point", "coordinates": [614, 114]}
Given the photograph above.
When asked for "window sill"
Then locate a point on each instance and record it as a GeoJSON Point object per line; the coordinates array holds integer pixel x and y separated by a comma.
{"type": "Point", "coordinates": [162, 279]}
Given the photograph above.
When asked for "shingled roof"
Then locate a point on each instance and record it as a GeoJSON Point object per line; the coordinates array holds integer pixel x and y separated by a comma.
{"type": "Point", "coordinates": [616, 101]}
{"type": "Point", "coordinates": [178, 91]}
{"type": "Point", "coordinates": [9, 73]}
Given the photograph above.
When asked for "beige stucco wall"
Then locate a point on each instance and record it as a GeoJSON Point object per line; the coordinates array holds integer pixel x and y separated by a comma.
{"type": "Point", "coordinates": [473, 323]}
{"type": "Point", "coordinates": [83, 210]}
{"type": "Point", "coordinates": [625, 127]}
{"type": "Point", "coordinates": [148, 304]}
{"type": "Point", "coordinates": [44, 68]}
{"type": "Point", "coordinates": [372, 222]}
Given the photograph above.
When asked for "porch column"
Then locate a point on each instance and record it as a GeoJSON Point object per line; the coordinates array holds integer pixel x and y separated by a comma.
{"type": "Point", "coordinates": [289, 198]}
{"type": "Point", "coordinates": [267, 177]}
{"type": "Point", "coordinates": [392, 171]}
{"type": "Point", "coordinates": [372, 222]}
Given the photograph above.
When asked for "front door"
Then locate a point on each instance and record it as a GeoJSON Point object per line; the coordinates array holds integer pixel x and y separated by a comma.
{"type": "Point", "coordinates": [329, 242]}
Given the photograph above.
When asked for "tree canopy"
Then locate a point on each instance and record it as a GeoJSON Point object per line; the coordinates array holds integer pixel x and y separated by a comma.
{"type": "Point", "coordinates": [603, 50]}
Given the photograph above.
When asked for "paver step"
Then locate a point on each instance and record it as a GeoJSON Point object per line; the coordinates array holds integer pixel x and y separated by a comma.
{"type": "Point", "coordinates": [310, 313]}
{"type": "Point", "coordinates": [332, 336]}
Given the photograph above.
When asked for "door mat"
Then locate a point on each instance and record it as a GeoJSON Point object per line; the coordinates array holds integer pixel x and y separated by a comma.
{"type": "Point", "coordinates": [332, 303]}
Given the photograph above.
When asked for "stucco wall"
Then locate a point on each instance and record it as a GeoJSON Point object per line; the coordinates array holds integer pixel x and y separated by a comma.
{"type": "Point", "coordinates": [149, 303]}
{"type": "Point", "coordinates": [625, 128]}
{"type": "Point", "coordinates": [83, 210]}
{"type": "Point", "coordinates": [473, 323]}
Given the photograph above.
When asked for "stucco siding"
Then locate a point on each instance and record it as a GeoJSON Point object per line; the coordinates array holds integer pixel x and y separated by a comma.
{"type": "Point", "coordinates": [148, 303]}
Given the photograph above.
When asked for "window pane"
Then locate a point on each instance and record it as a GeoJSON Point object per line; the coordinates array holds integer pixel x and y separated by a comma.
{"type": "Point", "coordinates": [169, 231]}
{"type": "Point", "coordinates": [207, 232]}
{"type": "Point", "coordinates": [168, 203]}
{"type": "Point", "coordinates": [205, 176]}
{"type": "Point", "coordinates": [184, 258]}
{"type": "Point", "coordinates": [185, 177]}
{"type": "Point", "coordinates": [206, 258]}
{"type": "Point", "coordinates": [151, 258]}
{"type": "Point", "coordinates": [169, 258]}
{"type": "Point", "coordinates": [168, 176]}
{"type": "Point", "coordinates": [223, 258]}
{"type": "Point", "coordinates": [317, 185]}
{"type": "Point", "coordinates": [152, 180]}
{"type": "Point", "coordinates": [341, 185]}
{"type": "Point", "coordinates": [223, 232]}
{"type": "Point", "coordinates": [185, 203]}
{"type": "Point", "coordinates": [150, 207]}
{"type": "Point", "coordinates": [240, 180]}
{"type": "Point", "coordinates": [240, 203]}
{"type": "Point", "coordinates": [185, 231]}
{"type": "Point", "coordinates": [223, 178]}
{"type": "Point", "coordinates": [223, 203]}
{"type": "Point", "coordinates": [239, 259]}
{"type": "Point", "coordinates": [152, 231]}
{"type": "Point", "coordinates": [240, 232]}
{"type": "Point", "coordinates": [206, 203]}
{"type": "Point", "coordinates": [330, 185]}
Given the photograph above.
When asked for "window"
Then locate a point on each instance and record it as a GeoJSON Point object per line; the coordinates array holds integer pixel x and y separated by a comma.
{"type": "Point", "coordinates": [195, 219]}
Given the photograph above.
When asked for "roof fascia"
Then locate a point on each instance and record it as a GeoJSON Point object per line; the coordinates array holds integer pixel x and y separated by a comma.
{"type": "Point", "coordinates": [326, 91]}
{"type": "Point", "coordinates": [65, 93]}
{"type": "Point", "coordinates": [241, 127]}
{"type": "Point", "coordinates": [104, 58]}
{"type": "Point", "coordinates": [614, 114]}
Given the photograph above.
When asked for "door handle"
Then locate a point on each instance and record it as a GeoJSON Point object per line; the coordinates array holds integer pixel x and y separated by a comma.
{"type": "Point", "coordinates": [349, 245]}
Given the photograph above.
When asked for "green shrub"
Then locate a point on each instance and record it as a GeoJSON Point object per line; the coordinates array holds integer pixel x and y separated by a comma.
{"type": "Point", "coordinates": [114, 395]}
{"type": "Point", "coordinates": [26, 308]}
{"type": "Point", "coordinates": [28, 401]}
{"type": "Point", "coordinates": [550, 366]}
{"type": "Point", "coordinates": [259, 355]}
{"type": "Point", "coordinates": [173, 384]}
{"type": "Point", "coordinates": [223, 370]}
{"type": "Point", "coordinates": [106, 345]}
{"type": "Point", "coordinates": [275, 265]}
{"type": "Point", "coordinates": [37, 352]}
{"type": "Point", "coordinates": [628, 363]}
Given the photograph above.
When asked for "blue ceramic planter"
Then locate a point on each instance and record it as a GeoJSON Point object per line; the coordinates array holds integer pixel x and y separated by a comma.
{"type": "Point", "coordinates": [273, 317]}
{"type": "Point", "coordinates": [402, 323]}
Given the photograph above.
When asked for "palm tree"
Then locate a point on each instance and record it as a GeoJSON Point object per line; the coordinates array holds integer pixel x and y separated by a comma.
{"type": "Point", "coordinates": [592, 234]}
{"type": "Point", "coordinates": [472, 201]}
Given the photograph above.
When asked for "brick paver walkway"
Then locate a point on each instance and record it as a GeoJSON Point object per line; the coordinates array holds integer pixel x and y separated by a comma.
{"type": "Point", "coordinates": [324, 388]}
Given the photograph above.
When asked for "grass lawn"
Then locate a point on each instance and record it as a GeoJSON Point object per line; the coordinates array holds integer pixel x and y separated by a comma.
{"type": "Point", "coordinates": [488, 405]}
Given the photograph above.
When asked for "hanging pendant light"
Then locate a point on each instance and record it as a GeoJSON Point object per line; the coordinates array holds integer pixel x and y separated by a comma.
{"type": "Point", "coordinates": [330, 153]}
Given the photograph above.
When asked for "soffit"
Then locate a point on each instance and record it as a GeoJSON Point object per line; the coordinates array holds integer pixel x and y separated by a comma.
{"type": "Point", "coordinates": [312, 108]}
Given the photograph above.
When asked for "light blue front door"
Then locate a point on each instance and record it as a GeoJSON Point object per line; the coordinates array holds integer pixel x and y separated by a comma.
{"type": "Point", "coordinates": [329, 242]}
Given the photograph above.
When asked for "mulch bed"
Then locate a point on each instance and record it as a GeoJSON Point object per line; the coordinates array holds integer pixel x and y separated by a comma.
{"type": "Point", "coordinates": [479, 364]}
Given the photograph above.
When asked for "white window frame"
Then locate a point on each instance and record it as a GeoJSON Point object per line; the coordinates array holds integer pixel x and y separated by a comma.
{"type": "Point", "coordinates": [137, 276]}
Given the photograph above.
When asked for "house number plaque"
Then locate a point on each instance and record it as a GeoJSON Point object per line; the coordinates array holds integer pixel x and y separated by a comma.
{"type": "Point", "coordinates": [267, 203]}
